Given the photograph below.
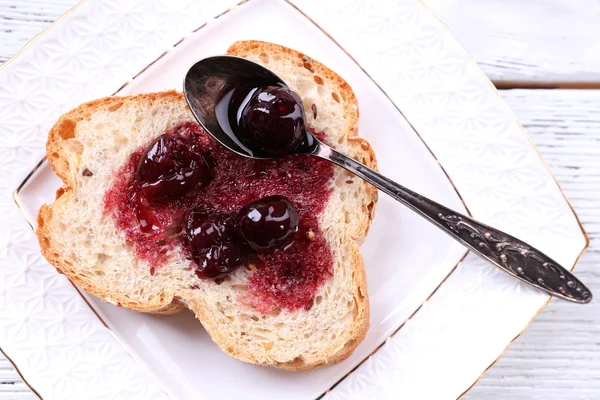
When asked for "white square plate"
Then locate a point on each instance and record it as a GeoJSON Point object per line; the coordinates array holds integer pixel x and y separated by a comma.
{"type": "Point", "coordinates": [469, 320]}
{"type": "Point", "coordinates": [406, 257]}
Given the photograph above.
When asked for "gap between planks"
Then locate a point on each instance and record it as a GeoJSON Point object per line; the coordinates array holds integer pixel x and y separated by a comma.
{"type": "Point", "coordinates": [577, 85]}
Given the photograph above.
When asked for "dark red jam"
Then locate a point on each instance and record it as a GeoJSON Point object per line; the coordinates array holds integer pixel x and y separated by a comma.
{"type": "Point", "coordinates": [211, 242]}
{"type": "Point", "coordinates": [170, 167]}
{"type": "Point", "coordinates": [155, 225]}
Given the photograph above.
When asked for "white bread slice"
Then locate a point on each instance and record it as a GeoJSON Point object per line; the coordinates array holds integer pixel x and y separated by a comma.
{"type": "Point", "coordinates": [83, 243]}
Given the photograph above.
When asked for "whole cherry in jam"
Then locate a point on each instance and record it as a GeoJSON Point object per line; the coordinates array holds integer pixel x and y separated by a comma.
{"type": "Point", "coordinates": [272, 121]}
{"type": "Point", "coordinates": [170, 167]}
{"type": "Point", "coordinates": [268, 223]}
{"type": "Point", "coordinates": [219, 260]}
{"type": "Point", "coordinates": [212, 245]}
{"type": "Point", "coordinates": [203, 230]}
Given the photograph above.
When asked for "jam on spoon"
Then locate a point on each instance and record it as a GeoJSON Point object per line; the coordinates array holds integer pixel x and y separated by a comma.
{"type": "Point", "coordinates": [268, 119]}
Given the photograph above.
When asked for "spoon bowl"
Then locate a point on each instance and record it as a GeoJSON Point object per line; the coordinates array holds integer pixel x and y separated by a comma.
{"type": "Point", "coordinates": [208, 87]}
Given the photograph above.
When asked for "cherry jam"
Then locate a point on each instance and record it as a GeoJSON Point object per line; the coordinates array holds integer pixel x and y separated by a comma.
{"type": "Point", "coordinates": [203, 230]}
{"type": "Point", "coordinates": [156, 226]}
{"type": "Point", "coordinates": [212, 244]}
{"type": "Point", "coordinates": [170, 167]}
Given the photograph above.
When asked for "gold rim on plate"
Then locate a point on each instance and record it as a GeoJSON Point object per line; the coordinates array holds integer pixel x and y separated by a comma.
{"type": "Point", "coordinates": [586, 237]}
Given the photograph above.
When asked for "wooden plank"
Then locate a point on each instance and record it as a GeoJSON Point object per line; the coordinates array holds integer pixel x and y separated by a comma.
{"type": "Point", "coordinates": [23, 19]}
{"type": "Point", "coordinates": [558, 357]}
{"type": "Point", "coordinates": [517, 43]}
{"type": "Point", "coordinates": [11, 385]}
{"type": "Point", "coordinates": [528, 43]}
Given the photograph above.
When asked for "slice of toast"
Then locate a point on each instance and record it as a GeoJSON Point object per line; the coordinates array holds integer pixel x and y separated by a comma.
{"type": "Point", "coordinates": [90, 143]}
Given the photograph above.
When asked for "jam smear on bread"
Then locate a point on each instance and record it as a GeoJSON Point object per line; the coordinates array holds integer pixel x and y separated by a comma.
{"type": "Point", "coordinates": [214, 185]}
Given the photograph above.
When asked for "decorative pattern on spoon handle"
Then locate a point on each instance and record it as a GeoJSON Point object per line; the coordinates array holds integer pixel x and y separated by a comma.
{"type": "Point", "coordinates": [516, 257]}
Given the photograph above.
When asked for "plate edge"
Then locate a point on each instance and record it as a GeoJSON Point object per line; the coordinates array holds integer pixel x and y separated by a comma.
{"type": "Point", "coordinates": [586, 237]}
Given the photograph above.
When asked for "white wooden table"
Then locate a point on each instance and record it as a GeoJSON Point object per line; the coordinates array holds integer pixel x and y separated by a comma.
{"type": "Point", "coordinates": [545, 56]}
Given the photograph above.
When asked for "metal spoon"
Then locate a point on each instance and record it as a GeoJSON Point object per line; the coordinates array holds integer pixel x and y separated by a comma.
{"type": "Point", "coordinates": [211, 79]}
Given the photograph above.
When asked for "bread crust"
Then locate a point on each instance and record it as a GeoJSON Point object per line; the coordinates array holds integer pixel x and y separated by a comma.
{"type": "Point", "coordinates": [171, 303]}
{"type": "Point", "coordinates": [63, 130]}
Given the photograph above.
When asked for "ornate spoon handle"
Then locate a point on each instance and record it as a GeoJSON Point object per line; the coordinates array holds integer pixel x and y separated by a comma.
{"type": "Point", "coordinates": [505, 251]}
